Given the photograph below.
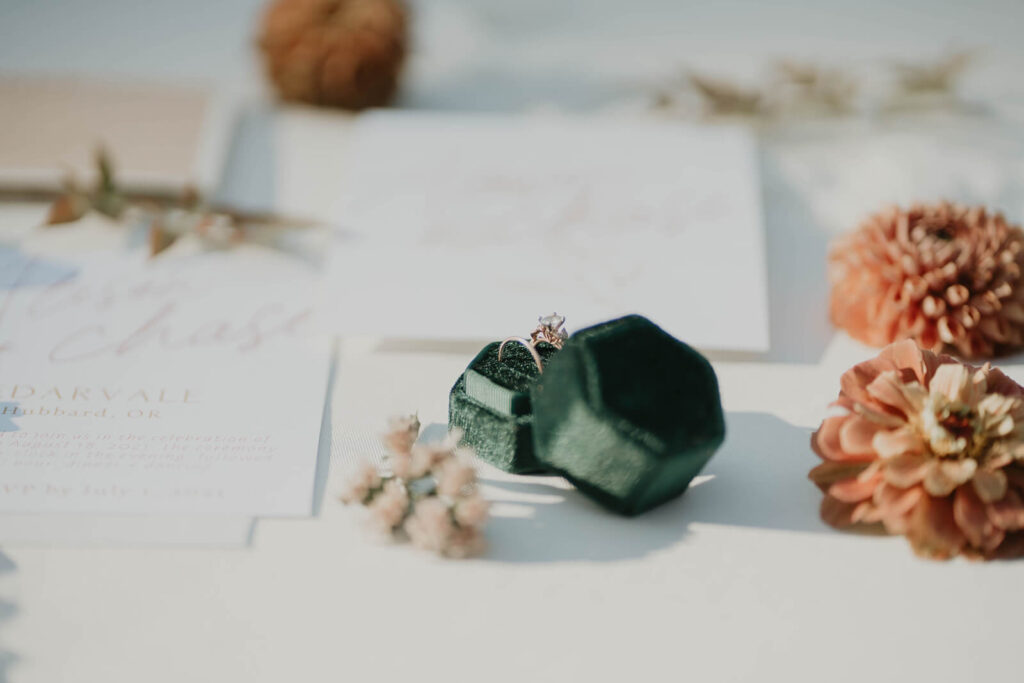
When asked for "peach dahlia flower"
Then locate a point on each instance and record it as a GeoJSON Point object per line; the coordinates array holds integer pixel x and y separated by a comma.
{"type": "Point", "coordinates": [945, 275]}
{"type": "Point", "coordinates": [928, 448]}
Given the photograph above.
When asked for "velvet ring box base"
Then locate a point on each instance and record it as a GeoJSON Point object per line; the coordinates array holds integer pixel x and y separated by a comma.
{"type": "Point", "coordinates": [491, 403]}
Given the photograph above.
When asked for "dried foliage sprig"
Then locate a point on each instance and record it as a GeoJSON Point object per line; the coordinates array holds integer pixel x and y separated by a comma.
{"type": "Point", "coordinates": [166, 219]}
{"type": "Point", "coordinates": [428, 493]}
{"type": "Point", "coordinates": [75, 201]}
{"type": "Point", "coordinates": [724, 98]}
{"type": "Point", "coordinates": [928, 448]}
{"type": "Point", "coordinates": [940, 76]}
{"type": "Point", "coordinates": [792, 89]}
{"type": "Point", "coordinates": [814, 89]}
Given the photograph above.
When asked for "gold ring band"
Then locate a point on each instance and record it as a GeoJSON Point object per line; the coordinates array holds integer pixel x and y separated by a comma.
{"type": "Point", "coordinates": [529, 347]}
{"type": "Point", "coordinates": [550, 329]}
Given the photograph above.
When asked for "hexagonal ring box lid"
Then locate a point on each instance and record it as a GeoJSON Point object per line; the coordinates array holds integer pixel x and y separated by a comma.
{"type": "Point", "coordinates": [627, 413]}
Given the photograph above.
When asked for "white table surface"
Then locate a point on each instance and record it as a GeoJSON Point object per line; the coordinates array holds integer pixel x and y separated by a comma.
{"type": "Point", "coordinates": [736, 581]}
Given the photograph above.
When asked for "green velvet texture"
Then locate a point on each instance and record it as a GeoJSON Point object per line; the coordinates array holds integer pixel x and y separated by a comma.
{"type": "Point", "coordinates": [628, 414]}
{"type": "Point", "coordinates": [491, 403]}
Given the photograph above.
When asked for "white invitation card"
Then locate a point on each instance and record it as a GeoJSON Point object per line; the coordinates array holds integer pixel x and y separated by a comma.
{"type": "Point", "coordinates": [188, 384]}
{"type": "Point", "coordinates": [472, 226]}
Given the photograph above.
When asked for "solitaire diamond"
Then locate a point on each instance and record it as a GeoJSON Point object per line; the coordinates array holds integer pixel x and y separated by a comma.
{"type": "Point", "coordinates": [550, 330]}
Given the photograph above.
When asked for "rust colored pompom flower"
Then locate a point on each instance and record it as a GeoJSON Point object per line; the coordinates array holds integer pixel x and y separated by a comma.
{"type": "Point", "coordinates": [929, 448]}
{"type": "Point", "coordinates": [337, 53]}
{"type": "Point", "coordinates": [945, 275]}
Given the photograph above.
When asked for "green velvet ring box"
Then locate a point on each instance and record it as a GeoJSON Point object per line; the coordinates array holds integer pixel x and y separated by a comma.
{"type": "Point", "coordinates": [624, 411]}
{"type": "Point", "coordinates": [491, 403]}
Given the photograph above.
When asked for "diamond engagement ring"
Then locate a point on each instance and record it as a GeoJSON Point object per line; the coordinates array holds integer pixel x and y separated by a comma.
{"type": "Point", "coordinates": [550, 329]}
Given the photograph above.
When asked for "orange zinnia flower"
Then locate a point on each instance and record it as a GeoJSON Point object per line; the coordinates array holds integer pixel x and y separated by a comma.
{"type": "Point", "coordinates": [929, 448]}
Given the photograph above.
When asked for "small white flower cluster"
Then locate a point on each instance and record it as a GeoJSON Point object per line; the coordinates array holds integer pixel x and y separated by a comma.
{"type": "Point", "coordinates": [430, 492]}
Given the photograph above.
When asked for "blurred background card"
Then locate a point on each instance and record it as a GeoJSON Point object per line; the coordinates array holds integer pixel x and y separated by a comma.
{"type": "Point", "coordinates": [162, 136]}
{"type": "Point", "coordinates": [494, 220]}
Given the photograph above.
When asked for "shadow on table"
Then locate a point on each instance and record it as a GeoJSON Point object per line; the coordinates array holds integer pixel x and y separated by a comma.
{"type": "Point", "coordinates": [7, 611]}
{"type": "Point", "coordinates": [323, 455]}
{"type": "Point", "coordinates": [757, 479]}
{"type": "Point", "coordinates": [796, 248]}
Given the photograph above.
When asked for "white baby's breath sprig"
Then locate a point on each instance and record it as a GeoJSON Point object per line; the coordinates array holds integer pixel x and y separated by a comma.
{"type": "Point", "coordinates": [428, 492]}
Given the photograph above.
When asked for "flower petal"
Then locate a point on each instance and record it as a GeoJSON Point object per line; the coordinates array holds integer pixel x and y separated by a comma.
{"type": "Point", "coordinates": [906, 354]}
{"type": "Point", "coordinates": [990, 485]}
{"type": "Point", "coordinates": [996, 406]}
{"type": "Point", "coordinates": [937, 482]}
{"type": "Point", "coordinates": [854, 381]}
{"type": "Point", "coordinates": [932, 361]}
{"type": "Point", "coordinates": [932, 530]}
{"type": "Point", "coordinates": [836, 513]}
{"type": "Point", "coordinates": [825, 441]}
{"type": "Point", "coordinates": [959, 471]}
{"type": "Point", "coordinates": [828, 473]}
{"type": "Point", "coordinates": [998, 456]}
{"type": "Point", "coordinates": [881, 418]}
{"type": "Point", "coordinates": [896, 525]}
{"type": "Point", "coordinates": [889, 444]}
{"type": "Point", "coordinates": [888, 390]}
{"type": "Point", "coordinates": [952, 380]}
{"type": "Point", "coordinates": [891, 501]}
{"type": "Point", "coordinates": [855, 436]}
{"type": "Point", "coordinates": [904, 471]}
{"type": "Point", "coordinates": [896, 498]}
{"type": "Point", "coordinates": [999, 383]}
{"type": "Point", "coordinates": [972, 518]}
{"type": "Point", "coordinates": [1008, 513]}
{"type": "Point", "coordinates": [855, 490]}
